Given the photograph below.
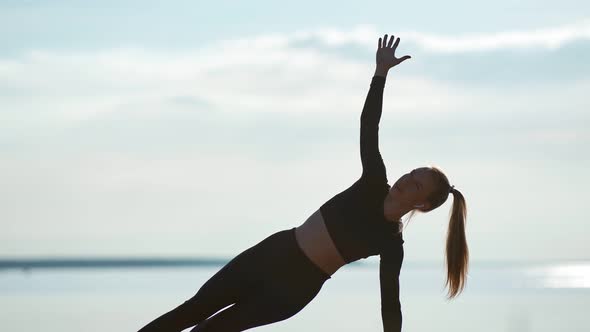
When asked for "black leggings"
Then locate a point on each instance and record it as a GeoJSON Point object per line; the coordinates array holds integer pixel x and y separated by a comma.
{"type": "Point", "coordinates": [268, 282]}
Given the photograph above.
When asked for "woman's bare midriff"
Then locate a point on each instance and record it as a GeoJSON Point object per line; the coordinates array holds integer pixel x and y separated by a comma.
{"type": "Point", "coordinates": [315, 241]}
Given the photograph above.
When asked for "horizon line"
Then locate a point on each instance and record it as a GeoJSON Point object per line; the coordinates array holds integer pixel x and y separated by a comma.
{"type": "Point", "coordinates": [59, 262]}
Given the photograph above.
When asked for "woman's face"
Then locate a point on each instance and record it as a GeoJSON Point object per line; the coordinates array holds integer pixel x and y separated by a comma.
{"type": "Point", "coordinates": [414, 187]}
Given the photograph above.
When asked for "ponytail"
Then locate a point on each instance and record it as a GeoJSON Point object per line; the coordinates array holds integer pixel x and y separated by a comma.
{"type": "Point", "coordinates": [457, 253]}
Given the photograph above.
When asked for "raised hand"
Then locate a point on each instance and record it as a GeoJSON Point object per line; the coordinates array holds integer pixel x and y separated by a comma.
{"type": "Point", "coordinates": [385, 56]}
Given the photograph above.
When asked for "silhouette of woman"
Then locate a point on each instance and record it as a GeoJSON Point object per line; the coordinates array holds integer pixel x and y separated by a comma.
{"type": "Point", "coordinates": [276, 278]}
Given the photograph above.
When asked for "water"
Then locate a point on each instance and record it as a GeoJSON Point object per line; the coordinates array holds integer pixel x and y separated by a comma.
{"type": "Point", "coordinates": [542, 297]}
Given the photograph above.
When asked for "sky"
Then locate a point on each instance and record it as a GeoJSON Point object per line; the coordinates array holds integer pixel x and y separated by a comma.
{"type": "Point", "coordinates": [193, 128]}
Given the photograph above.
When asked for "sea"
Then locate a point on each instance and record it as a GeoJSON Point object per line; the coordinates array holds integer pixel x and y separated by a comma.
{"type": "Point", "coordinates": [125, 296]}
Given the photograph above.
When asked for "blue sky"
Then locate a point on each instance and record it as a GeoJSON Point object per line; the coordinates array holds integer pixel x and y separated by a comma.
{"type": "Point", "coordinates": [199, 128]}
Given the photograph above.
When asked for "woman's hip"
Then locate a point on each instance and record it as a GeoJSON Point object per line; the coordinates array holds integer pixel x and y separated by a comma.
{"type": "Point", "coordinates": [277, 262]}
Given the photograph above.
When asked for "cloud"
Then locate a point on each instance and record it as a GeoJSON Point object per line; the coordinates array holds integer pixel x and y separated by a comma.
{"type": "Point", "coordinates": [366, 35]}
{"type": "Point", "coordinates": [250, 87]}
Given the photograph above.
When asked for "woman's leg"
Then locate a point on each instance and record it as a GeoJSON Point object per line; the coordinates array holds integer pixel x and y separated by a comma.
{"type": "Point", "coordinates": [268, 282]}
{"type": "Point", "coordinates": [289, 281]}
{"type": "Point", "coordinates": [226, 287]}
{"type": "Point", "coordinates": [270, 305]}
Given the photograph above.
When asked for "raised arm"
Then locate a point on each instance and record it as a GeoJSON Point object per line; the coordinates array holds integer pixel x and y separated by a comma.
{"type": "Point", "coordinates": [373, 167]}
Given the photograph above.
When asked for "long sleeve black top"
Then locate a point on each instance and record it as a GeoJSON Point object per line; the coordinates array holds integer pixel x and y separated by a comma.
{"type": "Point", "coordinates": [355, 217]}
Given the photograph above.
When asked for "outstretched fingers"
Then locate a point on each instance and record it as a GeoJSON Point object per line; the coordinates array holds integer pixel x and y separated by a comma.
{"type": "Point", "coordinates": [391, 41]}
{"type": "Point", "coordinates": [385, 56]}
{"type": "Point", "coordinates": [384, 42]}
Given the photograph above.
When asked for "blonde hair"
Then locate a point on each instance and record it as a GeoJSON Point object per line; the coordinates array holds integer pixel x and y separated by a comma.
{"type": "Point", "coordinates": [457, 251]}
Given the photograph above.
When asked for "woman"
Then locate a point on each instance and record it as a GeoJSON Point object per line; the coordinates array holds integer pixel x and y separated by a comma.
{"type": "Point", "coordinates": [276, 278]}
